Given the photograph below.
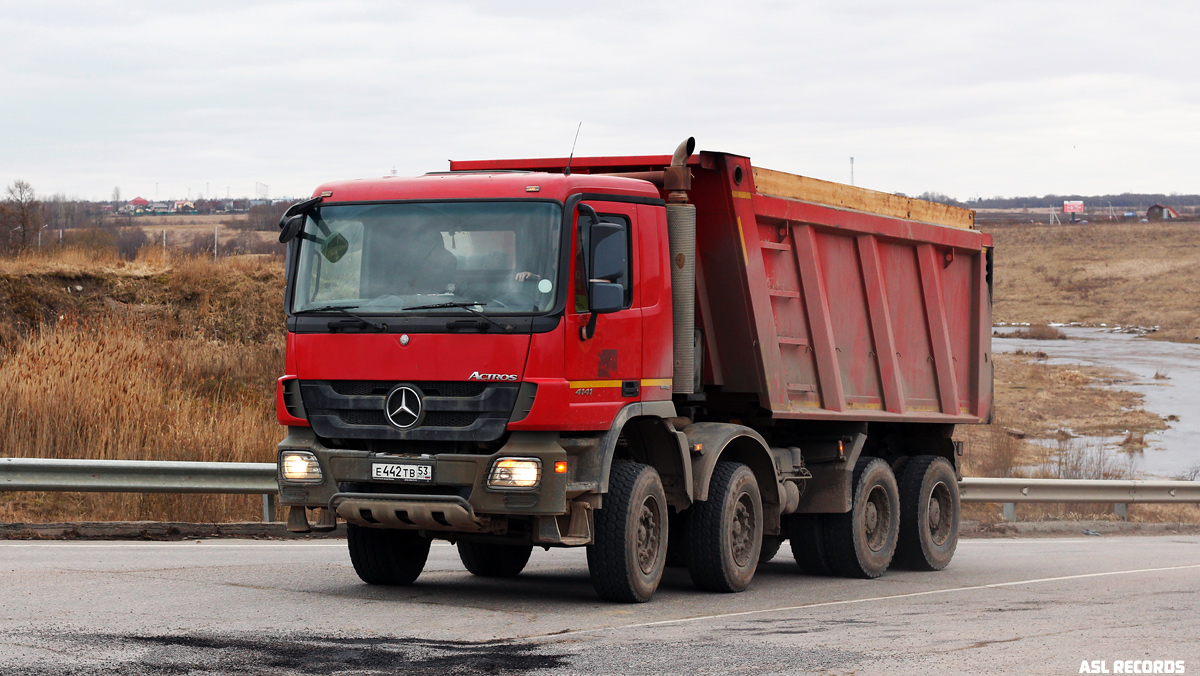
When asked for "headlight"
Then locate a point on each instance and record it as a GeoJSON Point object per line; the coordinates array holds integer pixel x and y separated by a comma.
{"type": "Point", "coordinates": [515, 473]}
{"type": "Point", "coordinates": [300, 466]}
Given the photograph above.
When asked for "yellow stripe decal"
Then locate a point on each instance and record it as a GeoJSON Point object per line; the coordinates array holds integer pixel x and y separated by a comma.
{"type": "Point", "coordinates": [592, 384]}
{"type": "Point", "coordinates": [742, 241]}
{"type": "Point", "coordinates": [656, 382]}
{"type": "Point", "coordinates": [743, 195]}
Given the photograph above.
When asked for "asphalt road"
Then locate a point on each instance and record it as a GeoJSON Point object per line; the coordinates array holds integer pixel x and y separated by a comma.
{"type": "Point", "coordinates": [1004, 606]}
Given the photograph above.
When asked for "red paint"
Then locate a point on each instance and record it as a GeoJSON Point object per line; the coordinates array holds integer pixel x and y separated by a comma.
{"type": "Point", "coordinates": [380, 356]}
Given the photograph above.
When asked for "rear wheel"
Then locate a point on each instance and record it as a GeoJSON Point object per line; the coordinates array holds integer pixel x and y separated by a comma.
{"type": "Point", "coordinates": [627, 557]}
{"type": "Point", "coordinates": [861, 542]}
{"type": "Point", "coordinates": [388, 557]}
{"type": "Point", "coordinates": [725, 531]}
{"type": "Point", "coordinates": [807, 536]}
{"type": "Point", "coordinates": [929, 514]}
{"type": "Point", "coordinates": [487, 559]}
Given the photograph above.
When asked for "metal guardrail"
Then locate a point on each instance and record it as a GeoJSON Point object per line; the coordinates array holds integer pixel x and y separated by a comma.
{"type": "Point", "coordinates": [141, 476]}
{"type": "Point", "coordinates": [1119, 492]}
{"type": "Point", "coordinates": [153, 476]}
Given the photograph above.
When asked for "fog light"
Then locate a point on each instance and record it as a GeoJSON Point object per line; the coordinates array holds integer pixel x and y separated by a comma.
{"type": "Point", "coordinates": [299, 466]}
{"type": "Point", "coordinates": [515, 473]}
{"type": "Point", "coordinates": [560, 467]}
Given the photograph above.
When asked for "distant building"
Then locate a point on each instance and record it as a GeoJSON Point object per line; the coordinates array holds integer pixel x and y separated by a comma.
{"type": "Point", "coordinates": [1161, 212]}
{"type": "Point", "coordinates": [160, 208]}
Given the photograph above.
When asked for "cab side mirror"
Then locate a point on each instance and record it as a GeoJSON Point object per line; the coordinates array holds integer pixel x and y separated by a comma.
{"type": "Point", "coordinates": [291, 223]}
{"type": "Point", "coordinates": [290, 227]}
{"type": "Point", "coordinates": [607, 262]}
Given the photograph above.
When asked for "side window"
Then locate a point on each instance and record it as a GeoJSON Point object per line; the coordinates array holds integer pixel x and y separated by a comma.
{"type": "Point", "coordinates": [581, 247]}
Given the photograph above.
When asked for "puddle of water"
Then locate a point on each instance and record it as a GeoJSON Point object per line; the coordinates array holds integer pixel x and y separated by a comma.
{"type": "Point", "coordinates": [1171, 452]}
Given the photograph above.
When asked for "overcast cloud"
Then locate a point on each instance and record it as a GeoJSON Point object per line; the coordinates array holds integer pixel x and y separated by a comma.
{"type": "Point", "coordinates": [970, 99]}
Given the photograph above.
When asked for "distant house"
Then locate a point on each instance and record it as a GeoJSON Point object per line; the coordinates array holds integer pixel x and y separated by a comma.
{"type": "Point", "coordinates": [184, 206]}
{"type": "Point", "coordinates": [160, 208]}
{"type": "Point", "coordinates": [136, 205]}
{"type": "Point", "coordinates": [1161, 212]}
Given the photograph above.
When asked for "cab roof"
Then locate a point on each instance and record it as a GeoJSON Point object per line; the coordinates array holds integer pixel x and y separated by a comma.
{"type": "Point", "coordinates": [482, 184]}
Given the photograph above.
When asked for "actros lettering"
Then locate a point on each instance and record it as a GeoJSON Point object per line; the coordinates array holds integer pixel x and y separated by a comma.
{"type": "Point", "coordinates": [495, 377]}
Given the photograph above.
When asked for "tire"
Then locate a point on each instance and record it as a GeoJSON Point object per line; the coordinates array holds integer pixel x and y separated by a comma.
{"type": "Point", "coordinates": [487, 559]}
{"type": "Point", "coordinates": [388, 557]}
{"type": "Point", "coordinates": [807, 535]}
{"type": "Point", "coordinates": [629, 552]}
{"type": "Point", "coordinates": [862, 542]}
{"type": "Point", "coordinates": [770, 547]}
{"type": "Point", "coordinates": [725, 531]}
{"type": "Point", "coordinates": [929, 514]}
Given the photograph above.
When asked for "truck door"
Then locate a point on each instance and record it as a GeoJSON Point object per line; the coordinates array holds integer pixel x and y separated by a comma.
{"type": "Point", "coordinates": [605, 370]}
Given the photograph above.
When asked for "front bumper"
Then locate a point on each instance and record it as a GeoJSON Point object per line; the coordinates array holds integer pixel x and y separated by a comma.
{"type": "Point", "coordinates": [458, 499]}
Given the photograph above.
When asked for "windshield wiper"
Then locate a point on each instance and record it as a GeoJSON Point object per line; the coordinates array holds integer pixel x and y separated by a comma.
{"type": "Point", "coordinates": [469, 307]}
{"type": "Point", "coordinates": [345, 309]}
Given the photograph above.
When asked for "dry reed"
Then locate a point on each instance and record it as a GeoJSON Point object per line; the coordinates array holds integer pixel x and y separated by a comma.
{"type": "Point", "coordinates": [163, 360]}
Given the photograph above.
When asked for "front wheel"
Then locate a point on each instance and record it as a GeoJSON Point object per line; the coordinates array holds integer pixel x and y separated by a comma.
{"type": "Point", "coordinates": [387, 557]}
{"type": "Point", "coordinates": [725, 531]}
{"type": "Point", "coordinates": [627, 557]}
{"type": "Point", "coordinates": [488, 559]}
{"type": "Point", "coordinates": [770, 547]}
{"type": "Point", "coordinates": [929, 514]}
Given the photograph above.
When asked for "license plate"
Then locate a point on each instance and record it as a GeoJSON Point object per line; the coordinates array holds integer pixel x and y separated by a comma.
{"type": "Point", "coordinates": [397, 472]}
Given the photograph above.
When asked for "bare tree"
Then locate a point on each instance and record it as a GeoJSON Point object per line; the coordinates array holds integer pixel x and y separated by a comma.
{"type": "Point", "coordinates": [116, 200]}
{"type": "Point", "coordinates": [23, 214]}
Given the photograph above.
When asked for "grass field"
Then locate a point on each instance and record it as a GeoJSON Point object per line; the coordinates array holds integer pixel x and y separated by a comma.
{"type": "Point", "coordinates": [1124, 273]}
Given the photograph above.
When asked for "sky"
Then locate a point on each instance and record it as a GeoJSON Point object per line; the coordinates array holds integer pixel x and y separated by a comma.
{"type": "Point", "coordinates": [969, 99]}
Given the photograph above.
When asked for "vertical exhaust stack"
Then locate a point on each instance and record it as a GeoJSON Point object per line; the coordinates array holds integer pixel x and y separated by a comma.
{"type": "Point", "coordinates": [681, 229]}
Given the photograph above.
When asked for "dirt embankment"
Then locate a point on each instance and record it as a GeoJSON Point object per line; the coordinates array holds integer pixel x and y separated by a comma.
{"type": "Point", "coordinates": [162, 358]}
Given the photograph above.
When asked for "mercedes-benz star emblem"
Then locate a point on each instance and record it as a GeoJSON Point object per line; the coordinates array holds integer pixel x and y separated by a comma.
{"type": "Point", "coordinates": [403, 406]}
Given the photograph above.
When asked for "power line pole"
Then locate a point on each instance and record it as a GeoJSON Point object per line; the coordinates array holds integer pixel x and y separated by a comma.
{"type": "Point", "coordinates": [851, 171]}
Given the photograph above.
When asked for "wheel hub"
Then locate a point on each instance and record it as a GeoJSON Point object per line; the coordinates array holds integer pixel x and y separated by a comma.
{"type": "Point", "coordinates": [876, 519]}
{"type": "Point", "coordinates": [741, 531]}
{"type": "Point", "coordinates": [649, 537]}
{"type": "Point", "coordinates": [941, 513]}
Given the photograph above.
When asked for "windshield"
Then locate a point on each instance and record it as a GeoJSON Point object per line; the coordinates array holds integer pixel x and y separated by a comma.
{"type": "Point", "coordinates": [501, 257]}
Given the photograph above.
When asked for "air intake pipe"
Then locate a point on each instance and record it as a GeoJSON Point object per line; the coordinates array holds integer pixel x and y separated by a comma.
{"type": "Point", "coordinates": [681, 230]}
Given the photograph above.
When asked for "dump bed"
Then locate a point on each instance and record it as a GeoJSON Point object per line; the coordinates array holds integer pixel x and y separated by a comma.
{"type": "Point", "coordinates": [828, 301]}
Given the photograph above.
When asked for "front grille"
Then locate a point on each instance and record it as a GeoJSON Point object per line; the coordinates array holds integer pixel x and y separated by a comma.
{"type": "Point", "coordinates": [454, 410]}
{"type": "Point", "coordinates": [432, 418]}
{"type": "Point", "coordinates": [359, 388]}
{"type": "Point", "coordinates": [431, 388]}
{"type": "Point", "coordinates": [449, 419]}
{"type": "Point", "coordinates": [363, 417]}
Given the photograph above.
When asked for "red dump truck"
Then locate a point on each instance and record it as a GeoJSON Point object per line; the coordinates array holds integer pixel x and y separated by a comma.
{"type": "Point", "coordinates": [670, 360]}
